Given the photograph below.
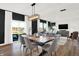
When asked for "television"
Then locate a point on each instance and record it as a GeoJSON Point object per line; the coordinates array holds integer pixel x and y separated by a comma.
{"type": "Point", "coordinates": [63, 26]}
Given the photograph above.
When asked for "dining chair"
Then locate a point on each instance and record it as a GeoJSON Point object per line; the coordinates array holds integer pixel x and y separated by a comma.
{"type": "Point", "coordinates": [74, 35]}
{"type": "Point", "coordinates": [21, 38]}
{"type": "Point", "coordinates": [30, 46]}
{"type": "Point", "coordinates": [51, 49]}
{"type": "Point", "coordinates": [64, 50]}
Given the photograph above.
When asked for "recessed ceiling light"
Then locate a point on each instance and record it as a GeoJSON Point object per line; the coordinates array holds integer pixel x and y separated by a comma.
{"type": "Point", "coordinates": [63, 10]}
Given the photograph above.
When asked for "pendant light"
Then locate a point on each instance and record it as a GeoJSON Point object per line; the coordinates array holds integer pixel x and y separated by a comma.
{"type": "Point", "coordinates": [33, 16]}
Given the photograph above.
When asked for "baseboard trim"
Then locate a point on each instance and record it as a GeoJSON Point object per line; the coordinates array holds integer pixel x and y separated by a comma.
{"type": "Point", "coordinates": [1, 45]}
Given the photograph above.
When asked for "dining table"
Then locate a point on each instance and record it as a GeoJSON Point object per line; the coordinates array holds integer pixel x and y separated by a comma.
{"type": "Point", "coordinates": [41, 41]}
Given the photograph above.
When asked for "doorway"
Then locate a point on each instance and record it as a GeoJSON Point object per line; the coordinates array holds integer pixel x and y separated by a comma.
{"type": "Point", "coordinates": [17, 28]}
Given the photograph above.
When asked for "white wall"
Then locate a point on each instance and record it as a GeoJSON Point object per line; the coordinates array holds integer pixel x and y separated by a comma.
{"type": "Point", "coordinates": [8, 26]}
{"type": "Point", "coordinates": [8, 36]}
{"type": "Point", "coordinates": [72, 21]}
{"type": "Point", "coordinates": [27, 25]}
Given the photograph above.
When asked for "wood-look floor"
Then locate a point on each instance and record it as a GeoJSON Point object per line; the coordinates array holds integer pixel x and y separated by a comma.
{"type": "Point", "coordinates": [71, 48]}
{"type": "Point", "coordinates": [15, 50]}
{"type": "Point", "coordinates": [64, 50]}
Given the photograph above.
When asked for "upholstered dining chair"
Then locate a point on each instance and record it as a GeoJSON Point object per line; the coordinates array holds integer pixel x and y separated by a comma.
{"type": "Point", "coordinates": [22, 45]}
{"type": "Point", "coordinates": [30, 46]}
{"type": "Point", "coordinates": [51, 49]}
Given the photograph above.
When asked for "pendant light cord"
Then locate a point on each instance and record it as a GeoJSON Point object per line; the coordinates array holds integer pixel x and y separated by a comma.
{"type": "Point", "coordinates": [33, 8]}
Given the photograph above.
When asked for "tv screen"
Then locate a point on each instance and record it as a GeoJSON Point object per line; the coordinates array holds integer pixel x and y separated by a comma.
{"type": "Point", "coordinates": [63, 26]}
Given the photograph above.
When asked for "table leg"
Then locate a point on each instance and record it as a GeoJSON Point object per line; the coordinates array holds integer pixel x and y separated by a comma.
{"type": "Point", "coordinates": [43, 52]}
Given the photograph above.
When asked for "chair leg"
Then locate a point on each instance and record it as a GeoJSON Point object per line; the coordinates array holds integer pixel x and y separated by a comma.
{"type": "Point", "coordinates": [53, 53]}
{"type": "Point", "coordinates": [31, 52]}
{"type": "Point", "coordinates": [38, 49]}
{"type": "Point", "coordinates": [23, 51]}
{"type": "Point", "coordinates": [26, 51]}
{"type": "Point", "coordinates": [20, 47]}
{"type": "Point", "coordinates": [49, 54]}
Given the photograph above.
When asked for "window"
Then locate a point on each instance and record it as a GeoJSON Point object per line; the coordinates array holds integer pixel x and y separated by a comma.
{"type": "Point", "coordinates": [16, 16]}
{"type": "Point", "coordinates": [43, 24]}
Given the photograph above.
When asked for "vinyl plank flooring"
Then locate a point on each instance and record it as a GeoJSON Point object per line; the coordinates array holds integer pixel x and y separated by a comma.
{"type": "Point", "coordinates": [14, 50]}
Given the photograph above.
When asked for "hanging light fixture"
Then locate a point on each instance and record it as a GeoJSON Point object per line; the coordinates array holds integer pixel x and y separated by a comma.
{"type": "Point", "coordinates": [33, 16]}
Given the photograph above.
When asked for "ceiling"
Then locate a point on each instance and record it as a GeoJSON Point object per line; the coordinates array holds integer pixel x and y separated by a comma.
{"type": "Point", "coordinates": [47, 11]}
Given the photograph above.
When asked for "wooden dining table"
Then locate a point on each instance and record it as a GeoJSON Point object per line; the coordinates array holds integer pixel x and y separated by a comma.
{"type": "Point", "coordinates": [41, 41]}
{"type": "Point", "coordinates": [47, 38]}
